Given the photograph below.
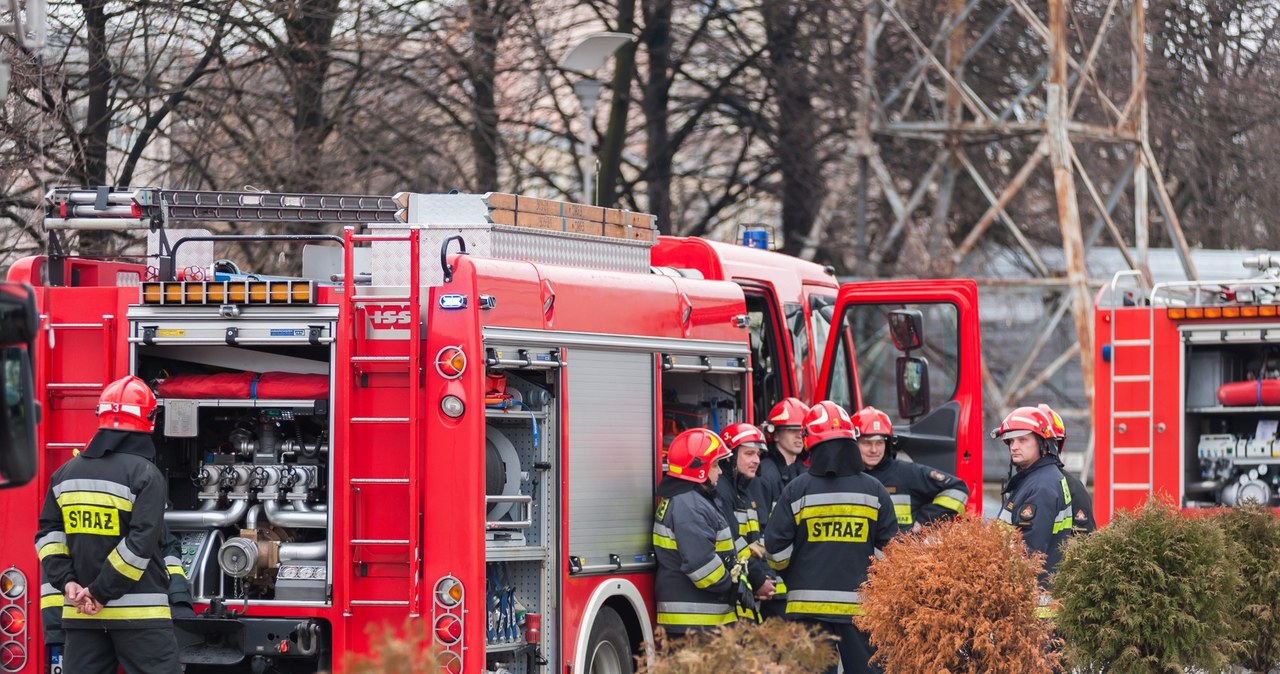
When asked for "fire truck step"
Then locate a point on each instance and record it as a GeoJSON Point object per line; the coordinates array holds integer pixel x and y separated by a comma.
{"type": "Point", "coordinates": [1132, 415]}
{"type": "Point", "coordinates": [1131, 450]}
{"type": "Point", "coordinates": [382, 299]}
{"type": "Point", "coordinates": [379, 420]}
{"type": "Point", "coordinates": [1131, 377]}
{"type": "Point", "coordinates": [1134, 486]}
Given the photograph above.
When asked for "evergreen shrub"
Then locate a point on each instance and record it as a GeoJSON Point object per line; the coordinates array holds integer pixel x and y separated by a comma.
{"type": "Point", "coordinates": [1255, 532]}
{"type": "Point", "coordinates": [1153, 592]}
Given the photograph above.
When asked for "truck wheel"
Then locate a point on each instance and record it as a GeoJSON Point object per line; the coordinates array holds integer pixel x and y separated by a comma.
{"type": "Point", "coordinates": [609, 649]}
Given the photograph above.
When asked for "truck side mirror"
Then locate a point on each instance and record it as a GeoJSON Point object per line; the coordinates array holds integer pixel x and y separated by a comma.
{"type": "Point", "coordinates": [906, 327]}
{"type": "Point", "coordinates": [913, 387]}
{"type": "Point", "coordinates": [18, 414]}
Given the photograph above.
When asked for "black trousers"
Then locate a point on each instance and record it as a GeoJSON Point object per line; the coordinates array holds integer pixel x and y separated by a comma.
{"type": "Point", "coordinates": [143, 651]}
{"type": "Point", "coordinates": [854, 646]}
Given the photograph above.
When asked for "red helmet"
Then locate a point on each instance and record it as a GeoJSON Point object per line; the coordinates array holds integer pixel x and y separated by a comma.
{"type": "Point", "coordinates": [736, 435]}
{"type": "Point", "coordinates": [127, 404]}
{"type": "Point", "coordinates": [827, 421]}
{"type": "Point", "coordinates": [1056, 426]}
{"type": "Point", "coordinates": [788, 413]}
{"type": "Point", "coordinates": [872, 423]}
{"type": "Point", "coordinates": [1024, 421]}
{"type": "Point", "coordinates": [692, 454]}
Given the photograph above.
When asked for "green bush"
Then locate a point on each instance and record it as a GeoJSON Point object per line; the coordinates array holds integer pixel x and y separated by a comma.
{"type": "Point", "coordinates": [776, 647]}
{"type": "Point", "coordinates": [958, 597]}
{"type": "Point", "coordinates": [1255, 532]}
{"type": "Point", "coordinates": [1153, 592]}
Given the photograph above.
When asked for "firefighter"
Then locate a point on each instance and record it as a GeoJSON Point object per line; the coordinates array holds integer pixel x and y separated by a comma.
{"type": "Point", "coordinates": [1082, 521]}
{"type": "Point", "coordinates": [180, 602]}
{"type": "Point", "coordinates": [695, 584]}
{"type": "Point", "coordinates": [785, 458]}
{"type": "Point", "coordinates": [100, 543]}
{"type": "Point", "coordinates": [828, 524]}
{"type": "Point", "coordinates": [920, 494]}
{"type": "Point", "coordinates": [1036, 499]}
{"type": "Point", "coordinates": [739, 502]}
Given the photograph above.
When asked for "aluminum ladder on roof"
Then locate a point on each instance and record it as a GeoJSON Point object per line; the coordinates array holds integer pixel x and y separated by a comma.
{"type": "Point", "coordinates": [1141, 351]}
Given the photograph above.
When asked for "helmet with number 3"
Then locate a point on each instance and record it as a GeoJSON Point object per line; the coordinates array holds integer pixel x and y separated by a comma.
{"type": "Point", "coordinates": [127, 404]}
{"type": "Point", "coordinates": [692, 454]}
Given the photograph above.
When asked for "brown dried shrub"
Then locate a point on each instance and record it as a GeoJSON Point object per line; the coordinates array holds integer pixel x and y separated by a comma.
{"type": "Point", "coordinates": [958, 597]}
{"type": "Point", "coordinates": [408, 650]}
{"type": "Point", "coordinates": [776, 647]}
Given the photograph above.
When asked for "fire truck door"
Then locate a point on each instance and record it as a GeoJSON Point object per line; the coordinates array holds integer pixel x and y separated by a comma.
{"type": "Point", "coordinates": [928, 379]}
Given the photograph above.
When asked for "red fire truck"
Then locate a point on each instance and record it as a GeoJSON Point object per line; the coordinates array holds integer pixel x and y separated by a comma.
{"type": "Point", "coordinates": [1188, 391]}
{"type": "Point", "coordinates": [455, 413]}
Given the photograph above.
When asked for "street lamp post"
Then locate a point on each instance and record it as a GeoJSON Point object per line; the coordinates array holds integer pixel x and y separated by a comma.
{"type": "Point", "coordinates": [587, 55]}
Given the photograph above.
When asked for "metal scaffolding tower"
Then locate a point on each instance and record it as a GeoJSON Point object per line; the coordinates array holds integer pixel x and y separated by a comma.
{"type": "Point", "coordinates": [1045, 130]}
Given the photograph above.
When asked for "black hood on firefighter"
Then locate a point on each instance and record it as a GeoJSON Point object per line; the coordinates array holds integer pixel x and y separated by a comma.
{"type": "Point", "coordinates": [123, 442]}
{"type": "Point", "coordinates": [671, 487]}
{"type": "Point", "coordinates": [838, 456]}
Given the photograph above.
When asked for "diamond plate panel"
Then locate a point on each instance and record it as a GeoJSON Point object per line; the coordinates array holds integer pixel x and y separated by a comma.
{"type": "Point", "coordinates": [441, 216]}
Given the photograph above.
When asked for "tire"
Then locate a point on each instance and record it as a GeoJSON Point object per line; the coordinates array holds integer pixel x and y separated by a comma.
{"type": "Point", "coordinates": [609, 649]}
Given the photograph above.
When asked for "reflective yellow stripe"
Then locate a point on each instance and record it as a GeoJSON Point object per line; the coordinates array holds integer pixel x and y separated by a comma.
{"type": "Point", "coordinates": [94, 498]}
{"type": "Point", "coordinates": [1061, 525]}
{"type": "Point", "coordinates": [824, 608]}
{"type": "Point", "coordinates": [132, 573]}
{"type": "Point", "coordinates": [744, 554]}
{"type": "Point", "coordinates": [664, 542]}
{"type": "Point", "coordinates": [748, 527]}
{"type": "Point", "coordinates": [119, 613]}
{"type": "Point", "coordinates": [724, 546]}
{"type": "Point", "coordinates": [53, 549]}
{"type": "Point", "coordinates": [949, 503]}
{"type": "Point", "coordinates": [705, 619]}
{"type": "Point", "coordinates": [779, 586]}
{"type": "Point", "coordinates": [903, 511]}
{"type": "Point", "coordinates": [779, 566]}
{"type": "Point", "coordinates": [50, 601]}
{"type": "Point", "coordinates": [843, 509]}
{"type": "Point", "coordinates": [746, 613]}
{"type": "Point", "coordinates": [711, 579]}
{"type": "Point", "coordinates": [176, 571]}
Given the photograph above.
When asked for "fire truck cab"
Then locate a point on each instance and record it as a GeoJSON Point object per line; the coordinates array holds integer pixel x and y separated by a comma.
{"type": "Point", "coordinates": [1188, 391]}
{"type": "Point", "coordinates": [443, 418]}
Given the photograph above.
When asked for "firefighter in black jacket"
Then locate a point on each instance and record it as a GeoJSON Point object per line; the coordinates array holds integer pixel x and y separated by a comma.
{"type": "Point", "coordinates": [100, 543]}
{"type": "Point", "coordinates": [739, 503]}
{"type": "Point", "coordinates": [180, 602]}
{"type": "Point", "coordinates": [920, 494]}
{"type": "Point", "coordinates": [1082, 521]}
{"type": "Point", "coordinates": [826, 527]}
{"type": "Point", "coordinates": [1037, 499]}
{"type": "Point", "coordinates": [786, 455]}
{"type": "Point", "coordinates": [695, 584]}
